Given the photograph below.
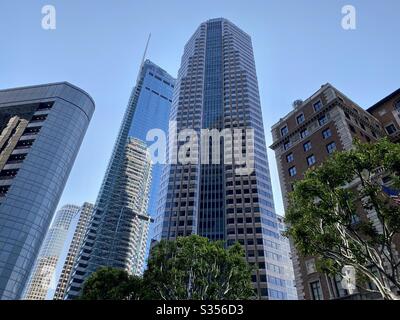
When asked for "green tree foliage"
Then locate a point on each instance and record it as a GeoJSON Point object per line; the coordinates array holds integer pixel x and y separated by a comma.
{"type": "Point", "coordinates": [112, 284]}
{"type": "Point", "coordinates": [190, 268]}
{"type": "Point", "coordinates": [196, 268]}
{"type": "Point", "coordinates": [324, 214]}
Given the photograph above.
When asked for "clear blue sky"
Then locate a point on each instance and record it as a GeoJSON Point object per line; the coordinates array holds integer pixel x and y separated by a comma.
{"type": "Point", "coordinates": [299, 45]}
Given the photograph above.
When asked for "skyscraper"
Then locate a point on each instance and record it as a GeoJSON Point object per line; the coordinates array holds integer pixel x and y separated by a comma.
{"type": "Point", "coordinates": [117, 236]}
{"type": "Point", "coordinates": [123, 195]}
{"type": "Point", "coordinates": [152, 112]}
{"type": "Point", "coordinates": [285, 249]}
{"type": "Point", "coordinates": [217, 89]}
{"type": "Point", "coordinates": [85, 213]}
{"type": "Point", "coordinates": [42, 128]}
{"type": "Point", "coordinates": [43, 272]}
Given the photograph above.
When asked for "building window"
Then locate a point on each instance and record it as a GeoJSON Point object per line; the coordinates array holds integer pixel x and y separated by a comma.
{"type": "Point", "coordinates": [331, 147]}
{"type": "Point", "coordinates": [292, 171]}
{"type": "Point", "coordinates": [303, 133]}
{"type": "Point", "coordinates": [316, 290]}
{"type": "Point", "coordinates": [352, 128]}
{"type": "Point", "coordinates": [391, 128]}
{"type": "Point", "coordinates": [317, 106]}
{"type": "Point", "coordinates": [307, 146]}
{"type": "Point", "coordinates": [322, 120]}
{"type": "Point", "coordinates": [327, 133]}
{"type": "Point", "coordinates": [300, 118]}
{"type": "Point", "coordinates": [284, 131]}
{"type": "Point", "coordinates": [397, 106]}
{"type": "Point", "coordinates": [290, 157]}
{"type": "Point", "coordinates": [287, 145]}
{"type": "Point", "coordinates": [311, 160]}
{"type": "Point", "coordinates": [338, 286]}
{"type": "Point", "coordinates": [264, 292]}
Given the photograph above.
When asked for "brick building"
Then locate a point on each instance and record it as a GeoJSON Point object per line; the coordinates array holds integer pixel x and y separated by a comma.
{"type": "Point", "coordinates": [387, 111]}
{"type": "Point", "coordinates": [314, 129]}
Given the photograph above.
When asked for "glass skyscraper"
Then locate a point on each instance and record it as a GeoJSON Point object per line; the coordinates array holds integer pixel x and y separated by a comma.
{"type": "Point", "coordinates": [41, 130]}
{"type": "Point", "coordinates": [85, 213]}
{"type": "Point", "coordinates": [217, 89]}
{"type": "Point", "coordinates": [43, 273]}
{"type": "Point", "coordinates": [118, 232]}
{"type": "Point", "coordinates": [152, 112]}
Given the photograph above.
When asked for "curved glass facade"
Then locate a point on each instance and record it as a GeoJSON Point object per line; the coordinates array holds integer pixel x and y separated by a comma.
{"type": "Point", "coordinates": [42, 128]}
{"type": "Point", "coordinates": [85, 213]}
{"type": "Point", "coordinates": [43, 272]}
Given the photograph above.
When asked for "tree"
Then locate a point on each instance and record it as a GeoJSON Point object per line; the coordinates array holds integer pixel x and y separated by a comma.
{"type": "Point", "coordinates": [112, 284]}
{"type": "Point", "coordinates": [329, 209]}
{"type": "Point", "coordinates": [195, 268]}
{"type": "Point", "coordinates": [187, 268]}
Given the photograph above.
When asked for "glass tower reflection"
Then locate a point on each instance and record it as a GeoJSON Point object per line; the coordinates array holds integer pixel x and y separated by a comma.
{"type": "Point", "coordinates": [118, 231]}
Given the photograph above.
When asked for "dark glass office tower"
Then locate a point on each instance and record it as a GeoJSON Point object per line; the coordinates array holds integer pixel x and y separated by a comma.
{"type": "Point", "coordinates": [41, 130]}
{"type": "Point", "coordinates": [152, 112]}
{"type": "Point", "coordinates": [118, 232]}
{"type": "Point", "coordinates": [217, 89]}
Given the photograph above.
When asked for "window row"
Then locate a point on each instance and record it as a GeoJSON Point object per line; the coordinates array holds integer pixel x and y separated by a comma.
{"type": "Point", "coordinates": [300, 118]}
{"type": "Point", "coordinates": [311, 159]}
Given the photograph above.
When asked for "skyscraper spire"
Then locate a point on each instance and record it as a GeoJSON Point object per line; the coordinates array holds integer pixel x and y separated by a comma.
{"type": "Point", "coordinates": [144, 57]}
{"type": "Point", "coordinates": [147, 46]}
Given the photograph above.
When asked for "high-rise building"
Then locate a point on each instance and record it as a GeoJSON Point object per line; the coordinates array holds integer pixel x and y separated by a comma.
{"type": "Point", "coordinates": [286, 254]}
{"type": "Point", "coordinates": [44, 271]}
{"type": "Point", "coordinates": [85, 213]}
{"type": "Point", "coordinates": [152, 112]}
{"type": "Point", "coordinates": [217, 89]}
{"type": "Point", "coordinates": [117, 236]}
{"type": "Point", "coordinates": [307, 136]}
{"type": "Point", "coordinates": [42, 128]}
{"type": "Point", "coordinates": [148, 108]}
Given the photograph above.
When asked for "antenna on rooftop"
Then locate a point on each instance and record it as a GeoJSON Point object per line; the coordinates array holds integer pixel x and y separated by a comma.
{"type": "Point", "coordinates": [145, 49]}
{"type": "Point", "coordinates": [297, 103]}
{"type": "Point", "coordinates": [144, 56]}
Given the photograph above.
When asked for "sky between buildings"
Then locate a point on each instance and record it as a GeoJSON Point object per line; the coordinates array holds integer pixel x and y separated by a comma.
{"type": "Point", "coordinates": [98, 45]}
